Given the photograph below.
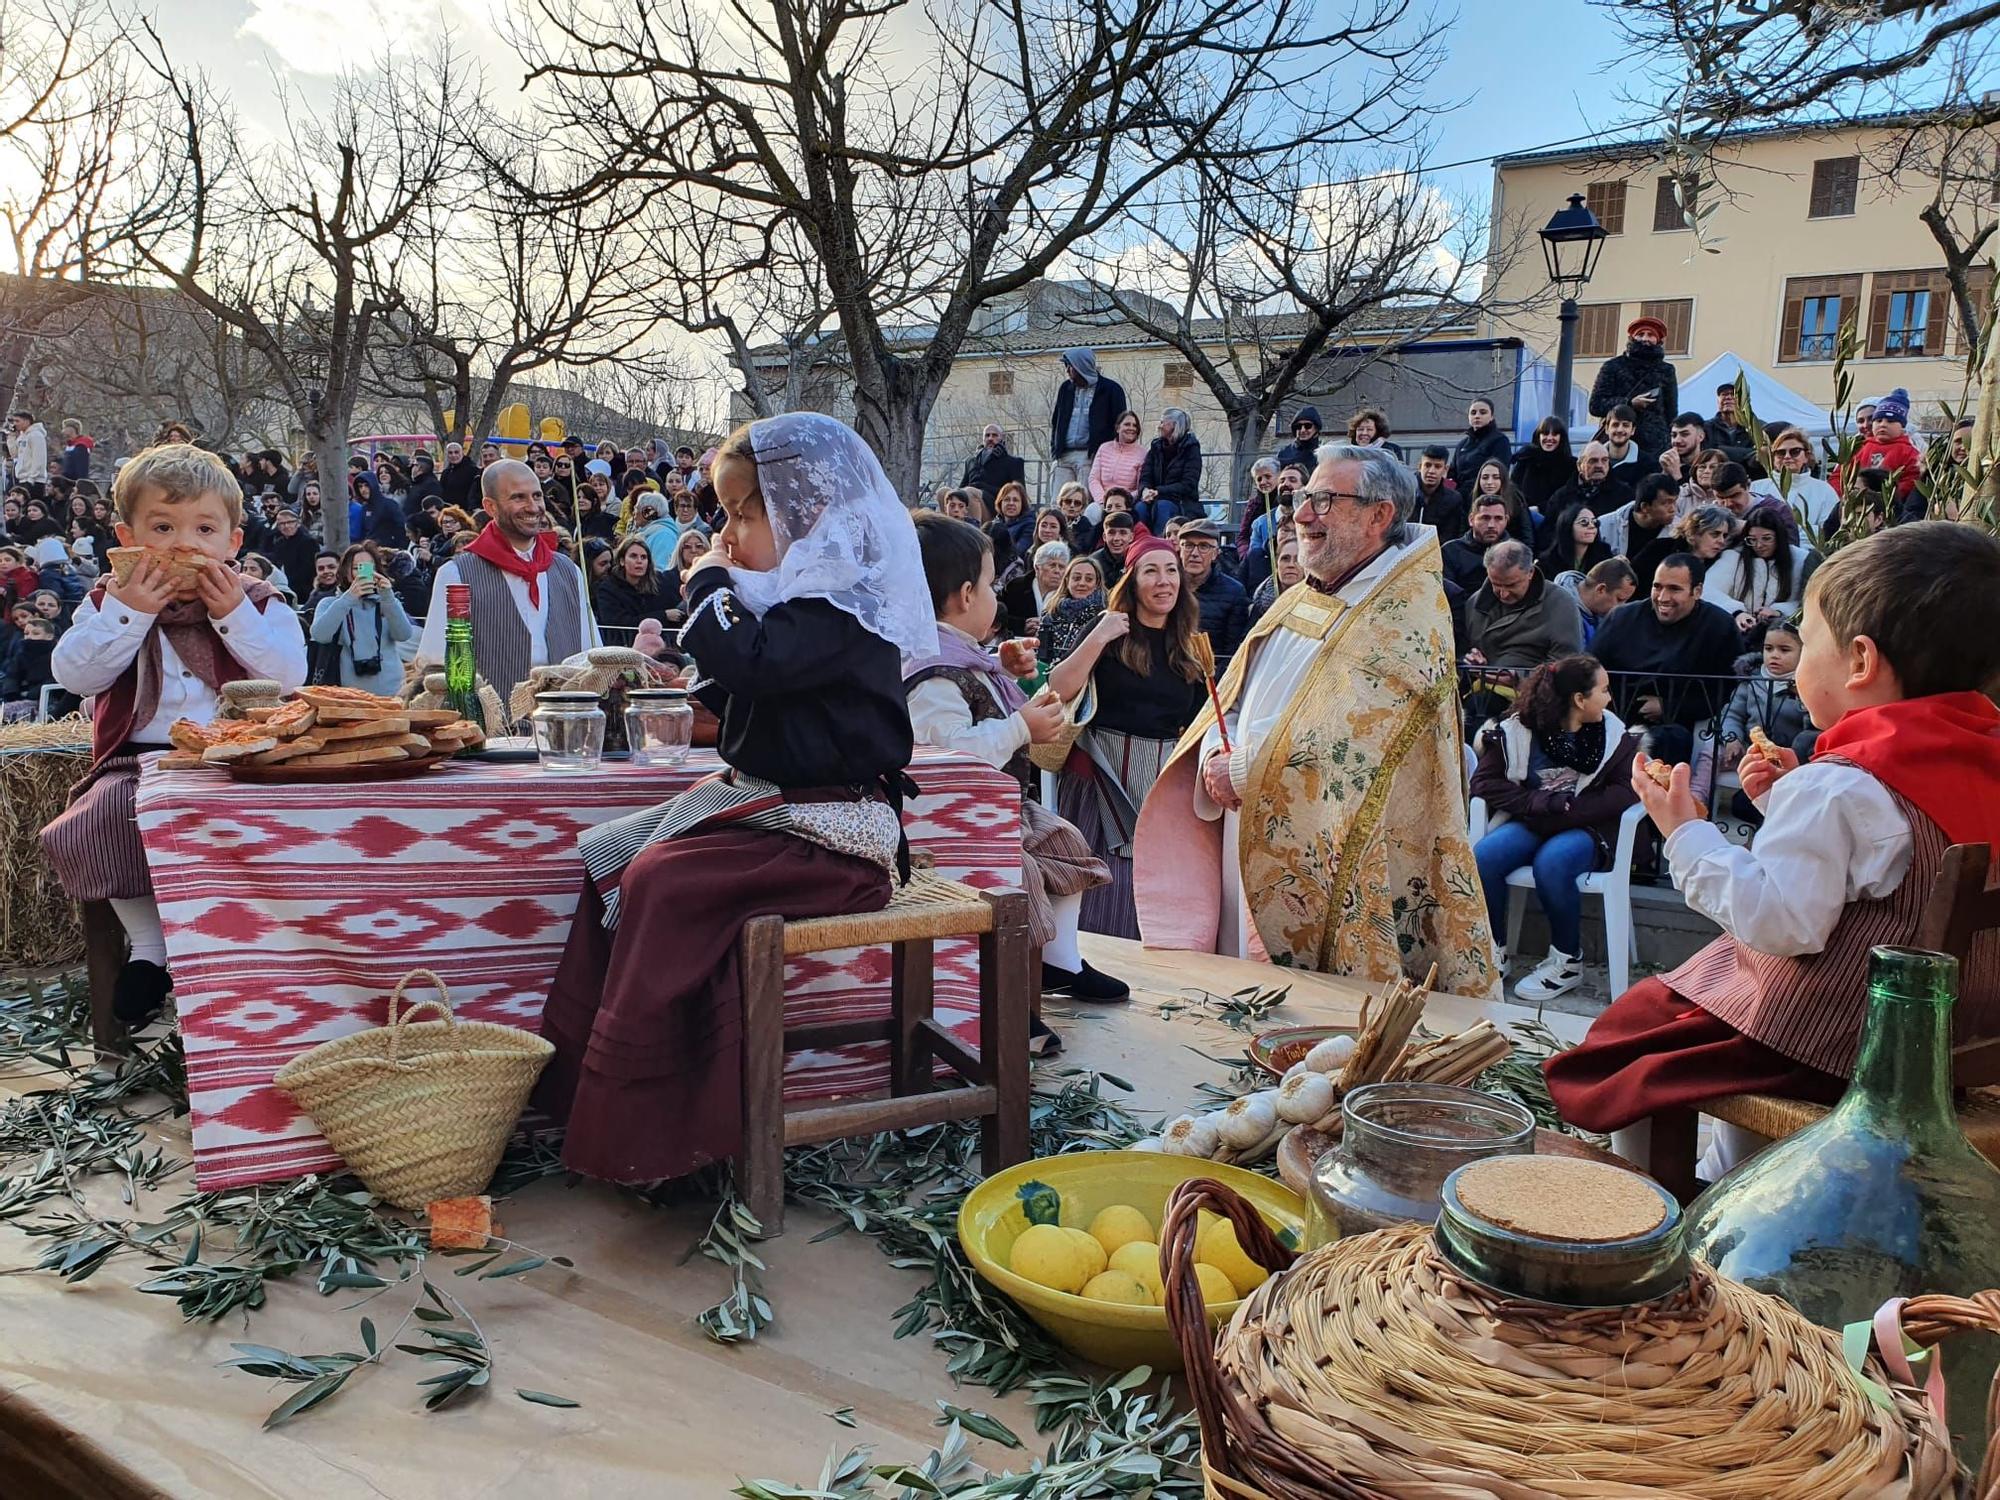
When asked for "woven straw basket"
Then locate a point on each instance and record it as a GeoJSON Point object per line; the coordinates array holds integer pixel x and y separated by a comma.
{"type": "Point", "coordinates": [1372, 1370]}
{"type": "Point", "coordinates": [420, 1110]}
{"type": "Point", "coordinates": [1077, 714]}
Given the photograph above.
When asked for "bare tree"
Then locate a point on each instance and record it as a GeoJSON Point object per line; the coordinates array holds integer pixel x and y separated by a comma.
{"type": "Point", "coordinates": [935, 162]}
{"type": "Point", "coordinates": [296, 246]}
{"type": "Point", "coordinates": [511, 277]}
{"type": "Point", "coordinates": [1256, 286]}
{"type": "Point", "coordinates": [72, 100]}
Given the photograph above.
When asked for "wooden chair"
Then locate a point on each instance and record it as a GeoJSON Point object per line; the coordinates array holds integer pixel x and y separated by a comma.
{"type": "Point", "coordinates": [103, 956]}
{"type": "Point", "coordinates": [995, 1075]}
{"type": "Point", "coordinates": [1959, 908]}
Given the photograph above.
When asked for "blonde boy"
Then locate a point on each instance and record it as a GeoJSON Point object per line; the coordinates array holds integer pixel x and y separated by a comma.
{"type": "Point", "coordinates": [152, 650]}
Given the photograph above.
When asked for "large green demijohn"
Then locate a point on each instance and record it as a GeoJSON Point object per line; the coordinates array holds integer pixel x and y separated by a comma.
{"type": "Point", "coordinates": [1882, 1198]}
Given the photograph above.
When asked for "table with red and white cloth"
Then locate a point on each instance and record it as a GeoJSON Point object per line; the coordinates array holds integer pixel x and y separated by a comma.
{"type": "Point", "coordinates": [291, 911]}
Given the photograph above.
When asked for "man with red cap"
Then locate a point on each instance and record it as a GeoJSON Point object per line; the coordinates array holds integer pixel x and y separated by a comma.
{"type": "Point", "coordinates": [1641, 378]}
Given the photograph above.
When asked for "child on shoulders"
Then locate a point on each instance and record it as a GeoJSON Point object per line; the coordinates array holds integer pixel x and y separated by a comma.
{"type": "Point", "coordinates": [153, 650]}
{"type": "Point", "coordinates": [963, 699]}
{"type": "Point", "coordinates": [1901, 641]}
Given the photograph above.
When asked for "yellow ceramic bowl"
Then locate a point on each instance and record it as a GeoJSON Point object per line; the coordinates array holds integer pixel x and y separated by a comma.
{"type": "Point", "coordinates": [1105, 1333]}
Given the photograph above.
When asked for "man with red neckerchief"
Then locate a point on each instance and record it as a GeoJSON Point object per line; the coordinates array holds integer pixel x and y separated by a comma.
{"type": "Point", "coordinates": [529, 603]}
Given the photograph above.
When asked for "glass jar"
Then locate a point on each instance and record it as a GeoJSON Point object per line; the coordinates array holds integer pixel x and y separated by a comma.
{"type": "Point", "coordinates": [569, 731]}
{"type": "Point", "coordinates": [1883, 1197]}
{"type": "Point", "coordinates": [1398, 1143]}
{"type": "Point", "coordinates": [659, 725]}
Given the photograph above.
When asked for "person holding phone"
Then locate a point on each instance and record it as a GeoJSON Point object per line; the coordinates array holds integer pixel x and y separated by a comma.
{"type": "Point", "coordinates": [1643, 379]}
{"type": "Point", "coordinates": [360, 624]}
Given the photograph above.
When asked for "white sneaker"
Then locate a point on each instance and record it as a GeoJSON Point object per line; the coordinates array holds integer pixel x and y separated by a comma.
{"type": "Point", "coordinates": [1557, 974]}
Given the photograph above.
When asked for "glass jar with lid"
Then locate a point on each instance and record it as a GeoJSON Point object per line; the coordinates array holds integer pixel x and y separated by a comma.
{"type": "Point", "coordinates": [659, 725]}
{"type": "Point", "coordinates": [569, 731]}
{"type": "Point", "coordinates": [1398, 1143]}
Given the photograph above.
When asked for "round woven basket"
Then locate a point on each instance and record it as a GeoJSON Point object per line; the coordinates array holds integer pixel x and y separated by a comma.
{"type": "Point", "coordinates": [1373, 1370]}
{"type": "Point", "coordinates": [419, 1110]}
{"type": "Point", "coordinates": [1077, 714]}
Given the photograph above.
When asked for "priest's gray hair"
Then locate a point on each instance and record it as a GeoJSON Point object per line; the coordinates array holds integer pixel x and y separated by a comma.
{"type": "Point", "coordinates": [1383, 477]}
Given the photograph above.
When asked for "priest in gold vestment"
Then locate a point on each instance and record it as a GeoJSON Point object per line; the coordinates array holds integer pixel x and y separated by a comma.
{"type": "Point", "coordinates": [1331, 834]}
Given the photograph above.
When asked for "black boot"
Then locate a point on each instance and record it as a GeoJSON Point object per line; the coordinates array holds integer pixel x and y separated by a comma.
{"type": "Point", "coordinates": [1042, 1039]}
{"type": "Point", "coordinates": [141, 993]}
{"type": "Point", "coordinates": [1085, 983]}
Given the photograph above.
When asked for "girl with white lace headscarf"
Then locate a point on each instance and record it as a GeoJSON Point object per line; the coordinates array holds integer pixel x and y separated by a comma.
{"type": "Point", "coordinates": [798, 619]}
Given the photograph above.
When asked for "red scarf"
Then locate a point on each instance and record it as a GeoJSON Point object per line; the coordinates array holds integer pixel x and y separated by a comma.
{"type": "Point", "coordinates": [496, 549]}
{"type": "Point", "coordinates": [1941, 752]}
{"type": "Point", "coordinates": [130, 702]}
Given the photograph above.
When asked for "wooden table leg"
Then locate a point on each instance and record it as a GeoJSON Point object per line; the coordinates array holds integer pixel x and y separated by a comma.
{"type": "Point", "coordinates": [1005, 988]}
{"type": "Point", "coordinates": [103, 958]}
{"type": "Point", "coordinates": [760, 1165]}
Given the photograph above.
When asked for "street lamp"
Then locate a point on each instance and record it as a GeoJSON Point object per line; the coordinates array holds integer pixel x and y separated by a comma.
{"type": "Point", "coordinates": [1571, 243]}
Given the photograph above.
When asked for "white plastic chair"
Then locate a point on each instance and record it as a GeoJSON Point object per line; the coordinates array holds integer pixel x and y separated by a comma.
{"type": "Point", "coordinates": [1621, 943]}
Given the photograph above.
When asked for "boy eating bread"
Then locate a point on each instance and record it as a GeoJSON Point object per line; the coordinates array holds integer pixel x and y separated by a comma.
{"type": "Point", "coordinates": [153, 646]}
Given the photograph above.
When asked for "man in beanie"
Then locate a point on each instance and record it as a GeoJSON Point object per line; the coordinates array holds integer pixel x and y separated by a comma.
{"type": "Point", "coordinates": [1303, 449]}
{"type": "Point", "coordinates": [1642, 379]}
{"type": "Point", "coordinates": [1888, 446]}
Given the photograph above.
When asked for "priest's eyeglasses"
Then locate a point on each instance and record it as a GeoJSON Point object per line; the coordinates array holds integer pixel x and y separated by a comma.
{"type": "Point", "coordinates": [1320, 502]}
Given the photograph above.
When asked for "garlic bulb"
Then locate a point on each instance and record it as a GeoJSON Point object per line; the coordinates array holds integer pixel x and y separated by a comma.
{"type": "Point", "coordinates": [1151, 1143]}
{"type": "Point", "coordinates": [1331, 1055]}
{"type": "Point", "coordinates": [1304, 1098]}
{"type": "Point", "coordinates": [1250, 1119]}
{"type": "Point", "coordinates": [1188, 1136]}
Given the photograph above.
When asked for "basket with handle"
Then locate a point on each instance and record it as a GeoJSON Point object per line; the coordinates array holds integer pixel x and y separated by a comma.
{"type": "Point", "coordinates": [1371, 1369]}
{"type": "Point", "coordinates": [1053, 755]}
{"type": "Point", "coordinates": [419, 1110]}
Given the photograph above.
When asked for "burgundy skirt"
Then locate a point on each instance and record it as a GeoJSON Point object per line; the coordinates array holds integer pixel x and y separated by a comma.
{"type": "Point", "coordinates": [647, 1021]}
{"type": "Point", "coordinates": [1656, 1050]}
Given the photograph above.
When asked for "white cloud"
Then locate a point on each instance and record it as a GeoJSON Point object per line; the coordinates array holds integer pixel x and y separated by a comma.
{"type": "Point", "coordinates": [327, 36]}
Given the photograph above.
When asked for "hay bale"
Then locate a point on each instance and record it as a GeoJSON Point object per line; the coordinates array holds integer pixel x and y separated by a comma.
{"type": "Point", "coordinates": [39, 763]}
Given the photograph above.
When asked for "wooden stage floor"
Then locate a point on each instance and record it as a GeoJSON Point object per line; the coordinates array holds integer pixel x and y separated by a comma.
{"type": "Point", "coordinates": [133, 1400]}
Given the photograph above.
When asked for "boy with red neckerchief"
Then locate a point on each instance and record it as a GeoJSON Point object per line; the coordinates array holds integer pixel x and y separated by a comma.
{"type": "Point", "coordinates": [152, 650]}
{"type": "Point", "coordinates": [1901, 646]}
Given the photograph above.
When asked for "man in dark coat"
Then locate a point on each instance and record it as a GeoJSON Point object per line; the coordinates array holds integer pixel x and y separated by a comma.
{"type": "Point", "coordinates": [1465, 556]}
{"type": "Point", "coordinates": [1303, 449]}
{"type": "Point", "coordinates": [459, 481]}
{"type": "Point", "coordinates": [1674, 633]}
{"type": "Point", "coordinates": [424, 484]}
{"type": "Point", "coordinates": [993, 466]}
{"type": "Point", "coordinates": [1225, 607]}
{"type": "Point", "coordinates": [1086, 417]}
{"type": "Point", "coordinates": [1642, 379]}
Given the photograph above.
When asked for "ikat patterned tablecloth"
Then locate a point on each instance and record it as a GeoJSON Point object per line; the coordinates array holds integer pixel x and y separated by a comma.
{"type": "Point", "coordinates": [291, 912]}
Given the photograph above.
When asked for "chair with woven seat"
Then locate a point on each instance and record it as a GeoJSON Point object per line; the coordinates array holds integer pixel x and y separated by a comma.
{"type": "Point", "coordinates": [924, 911]}
{"type": "Point", "coordinates": [1960, 906]}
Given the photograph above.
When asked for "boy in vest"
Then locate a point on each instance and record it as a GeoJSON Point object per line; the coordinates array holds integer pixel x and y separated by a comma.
{"type": "Point", "coordinates": [156, 648]}
{"type": "Point", "coordinates": [1901, 644]}
{"type": "Point", "coordinates": [963, 699]}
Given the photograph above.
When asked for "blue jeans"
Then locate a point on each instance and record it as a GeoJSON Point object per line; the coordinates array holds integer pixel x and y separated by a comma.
{"type": "Point", "coordinates": [1156, 513]}
{"type": "Point", "coordinates": [1557, 862]}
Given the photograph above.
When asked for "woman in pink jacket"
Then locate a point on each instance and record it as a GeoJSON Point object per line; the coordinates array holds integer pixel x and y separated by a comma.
{"type": "Point", "coordinates": [1118, 463]}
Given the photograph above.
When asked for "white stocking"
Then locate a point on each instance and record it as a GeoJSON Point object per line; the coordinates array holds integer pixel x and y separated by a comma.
{"type": "Point", "coordinates": [1061, 951]}
{"type": "Point", "coordinates": [140, 917]}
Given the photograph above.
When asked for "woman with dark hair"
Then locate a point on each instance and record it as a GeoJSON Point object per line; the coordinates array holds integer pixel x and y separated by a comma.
{"type": "Point", "coordinates": [1764, 574]}
{"type": "Point", "coordinates": [365, 620]}
{"type": "Point", "coordinates": [1369, 428]}
{"type": "Point", "coordinates": [1574, 545]}
{"type": "Point", "coordinates": [1148, 663]}
{"type": "Point", "coordinates": [1544, 464]}
{"type": "Point", "coordinates": [1483, 440]}
{"type": "Point", "coordinates": [1492, 480]}
{"type": "Point", "coordinates": [1050, 527]}
{"type": "Point", "coordinates": [592, 518]}
{"type": "Point", "coordinates": [631, 591]}
{"type": "Point", "coordinates": [1556, 777]}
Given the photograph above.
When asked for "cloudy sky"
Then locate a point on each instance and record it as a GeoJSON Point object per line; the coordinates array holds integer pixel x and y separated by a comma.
{"type": "Point", "coordinates": [1518, 75]}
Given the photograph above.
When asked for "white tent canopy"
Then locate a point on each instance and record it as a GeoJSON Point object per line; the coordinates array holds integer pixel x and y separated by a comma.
{"type": "Point", "coordinates": [1773, 400]}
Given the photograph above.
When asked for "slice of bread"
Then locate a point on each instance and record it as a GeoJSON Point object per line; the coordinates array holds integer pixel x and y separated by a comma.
{"type": "Point", "coordinates": [369, 729]}
{"type": "Point", "coordinates": [366, 755]}
{"type": "Point", "coordinates": [180, 760]}
{"type": "Point", "coordinates": [286, 750]}
{"type": "Point", "coordinates": [183, 563]}
{"type": "Point", "coordinates": [431, 718]}
{"type": "Point", "coordinates": [340, 697]}
{"type": "Point", "coordinates": [238, 749]}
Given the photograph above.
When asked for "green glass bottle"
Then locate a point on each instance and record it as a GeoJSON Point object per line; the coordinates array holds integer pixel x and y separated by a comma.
{"type": "Point", "coordinates": [461, 676]}
{"type": "Point", "coordinates": [1882, 1198]}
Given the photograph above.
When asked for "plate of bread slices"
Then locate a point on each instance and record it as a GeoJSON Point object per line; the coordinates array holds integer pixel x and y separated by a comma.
{"type": "Point", "coordinates": [320, 734]}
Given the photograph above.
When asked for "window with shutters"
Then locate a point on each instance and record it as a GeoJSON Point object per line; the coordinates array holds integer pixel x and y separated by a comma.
{"type": "Point", "coordinates": [1177, 375]}
{"type": "Point", "coordinates": [1815, 309]}
{"type": "Point", "coordinates": [999, 382]}
{"type": "Point", "coordinates": [1678, 314]}
{"type": "Point", "coordinates": [1607, 201]}
{"type": "Point", "coordinates": [1669, 212]}
{"type": "Point", "coordinates": [1906, 314]}
{"type": "Point", "coordinates": [1597, 330]}
{"type": "Point", "coordinates": [1834, 182]}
